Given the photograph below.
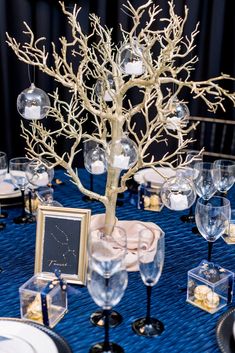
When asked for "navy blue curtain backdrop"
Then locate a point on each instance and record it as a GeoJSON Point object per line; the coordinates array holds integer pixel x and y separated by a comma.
{"type": "Point", "coordinates": [215, 48]}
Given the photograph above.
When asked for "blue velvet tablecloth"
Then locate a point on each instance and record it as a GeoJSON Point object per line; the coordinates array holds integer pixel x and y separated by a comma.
{"type": "Point", "coordinates": [187, 328]}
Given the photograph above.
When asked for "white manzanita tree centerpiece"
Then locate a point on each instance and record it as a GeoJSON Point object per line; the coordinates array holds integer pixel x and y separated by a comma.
{"type": "Point", "coordinates": [100, 87]}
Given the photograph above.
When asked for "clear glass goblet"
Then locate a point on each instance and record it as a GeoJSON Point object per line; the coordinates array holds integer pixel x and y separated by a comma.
{"type": "Point", "coordinates": [107, 250]}
{"type": "Point", "coordinates": [212, 219]}
{"type": "Point", "coordinates": [106, 292]}
{"type": "Point", "coordinates": [224, 175]}
{"type": "Point", "coordinates": [17, 169]}
{"type": "Point", "coordinates": [151, 250]}
{"type": "Point", "coordinates": [3, 173]}
{"type": "Point", "coordinates": [204, 182]}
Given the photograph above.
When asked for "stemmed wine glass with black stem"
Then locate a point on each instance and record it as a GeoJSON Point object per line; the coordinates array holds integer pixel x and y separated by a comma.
{"type": "Point", "coordinates": [224, 175]}
{"type": "Point", "coordinates": [17, 169]}
{"type": "Point", "coordinates": [3, 173]}
{"type": "Point", "coordinates": [151, 251]}
{"type": "Point", "coordinates": [106, 291]}
{"type": "Point", "coordinates": [204, 182]}
{"type": "Point", "coordinates": [212, 219]}
{"type": "Point", "coordinates": [107, 248]}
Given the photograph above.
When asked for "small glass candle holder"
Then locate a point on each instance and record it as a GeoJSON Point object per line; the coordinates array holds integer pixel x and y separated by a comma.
{"type": "Point", "coordinates": [43, 300]}
{"type": "Point", "coordinates": [122, 154]}
{"type": "Point", "coordinates": [149, 198]}
{"type": "Point", "coordinates": [210, 287]}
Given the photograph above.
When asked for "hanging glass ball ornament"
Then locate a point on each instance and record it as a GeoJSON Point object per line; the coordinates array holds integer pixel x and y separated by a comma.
{"type": "Point", "coordinates": [180, 115]}
{"type": "Point", "coordinates": [33, 103]}
{"type": "Point", "coordinates": [94, 158]}
{"type": "Point", "coordinates": [105, 90]}
{"type": "Point", "coordinates": [178, 193]}
{"type": "Point", "coordinates": [39, 173]}
{"type": "Point", "coordinates": [123, 153]}
{"type": "Point", "coordinates": [131, 59]}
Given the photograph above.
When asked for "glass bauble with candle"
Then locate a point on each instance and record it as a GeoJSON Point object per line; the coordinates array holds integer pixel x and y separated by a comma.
{"type": "Point", "coordinates": [178, 193]}
{"type": "Point", "coordinates": [123, 153]}
{"type": "Point", "coordinates": [179, 114]}
{"type": "Point", "coordinates": [94, 158]}
{"type": "Point", "coordinates": [39, 173]}
{"type": "Point", "coordinates": [105, 89]}
{"type": "Point", "coordinates": [131, 59]}
{"type": "Point", "coordinates": [33, 103]}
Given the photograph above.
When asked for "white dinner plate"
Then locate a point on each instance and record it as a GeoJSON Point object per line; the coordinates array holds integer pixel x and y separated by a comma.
{"type": "Point", "coordinates": [153, 177]}
{"type": "Point", "coordinates": [19, 337]}
{"type": "Point", "coordinates": [7, 189]}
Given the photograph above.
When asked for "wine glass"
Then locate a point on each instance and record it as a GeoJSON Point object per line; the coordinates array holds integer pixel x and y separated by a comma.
{"type": "Point", "coordinates": [212, 219]}
{"type": "Point", "coordinates": [194, 157]}
{"type": "Point", "coordinates": [106, 293]}
{"type": "Point", "coordinates": [151, 250]}
{"type": "Point", "coordinates": [204, 182]}
{"type": "Point", "coordinates": [17, 169]}
{"type": "Point", "coordinates": [107, 248]}
{"type": "Point", "coordinates": [3, 173]}
{"type": "Point", "coordinates": [224, 175]}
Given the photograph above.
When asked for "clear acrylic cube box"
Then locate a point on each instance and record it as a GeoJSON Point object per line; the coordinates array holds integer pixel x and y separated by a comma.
{"type": "Point", "coordinates": [149, 197]}
{"type": "Point", "coordinates": [210, 287]}
{"type": "Point", "coordinates": [43, 300]}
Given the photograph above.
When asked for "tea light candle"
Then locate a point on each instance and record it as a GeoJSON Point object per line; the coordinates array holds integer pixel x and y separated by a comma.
{"type": "Point", "coordinates": [232, 231]}
{"type": "Point", "coordinates": [134, 68]}
{"type": "Point", "coordinates": [154, 200]}
{"type": "Point", "coordinates": [178, 202]}
{"type": "Point", "coordinates": [121, 162]}
{"type": "Point", "coordinates": [201, 291]}
{"type": "Point", "coordinates": [32, 113]}
{"type": "Point", "coordinates": [146, 201]}
{"type": "Point", "coordinates": [212, 300]}
{"type": "Point", "coordinates": [97, 167]}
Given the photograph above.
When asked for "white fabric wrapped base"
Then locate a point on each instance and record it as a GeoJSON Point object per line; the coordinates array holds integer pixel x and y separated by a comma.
{"type": "Point", "coordinates": [132, 229]}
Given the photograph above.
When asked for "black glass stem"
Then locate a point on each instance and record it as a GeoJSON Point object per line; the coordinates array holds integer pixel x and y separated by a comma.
{"type": "Point", "coordinates": [2, 215]}
{"type": "Point", "coordinates": [189, 218]}
{"type": "Point", "coordinates": [31, 217]}
{"type": "Point", "coordinates": [148, 326]}
{"type": "Point", "coordinates": [107, 347]}
{"type": "Point", "coordinates": [23, 218]}
{"type": "Point", "coordinates": [149, 292]}
{"type": "Point", "coordinates": [210, 247]}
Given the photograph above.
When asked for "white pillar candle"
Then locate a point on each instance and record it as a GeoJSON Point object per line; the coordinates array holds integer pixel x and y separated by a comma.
{"type": "Point", "coordinates": [134, 68]}
{"type": "Point", "coordinates": [121, 162]}
{"type": "Point", "coordinates": [97, 167]}
{"type": "Point", "coordinates": [178, 202]}
{"type": "Point", "coordinates": [32, 113]}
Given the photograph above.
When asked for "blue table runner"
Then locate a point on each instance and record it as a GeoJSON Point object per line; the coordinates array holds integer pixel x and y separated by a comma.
{"type": "Point", "coordinates": [187, 328]}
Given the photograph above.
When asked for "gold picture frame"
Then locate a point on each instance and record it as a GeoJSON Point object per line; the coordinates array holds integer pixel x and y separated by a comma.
{"type": "Point", "coordinates": [61, 242]}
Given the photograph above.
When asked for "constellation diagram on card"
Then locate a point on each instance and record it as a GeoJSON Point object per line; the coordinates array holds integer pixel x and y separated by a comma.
{"type": "Point", "coordinates": [61, 245]}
